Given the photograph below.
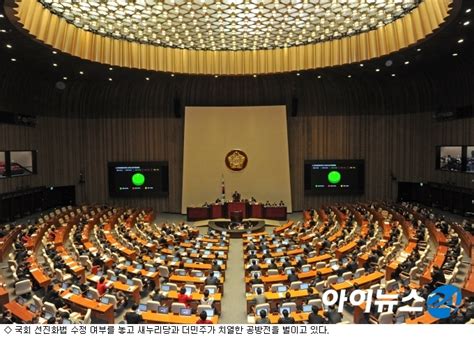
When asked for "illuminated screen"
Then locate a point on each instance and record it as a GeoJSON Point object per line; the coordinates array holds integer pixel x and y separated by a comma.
{"type": "Point", "coordinates": [22, 163]}
{"type": "Point", "coordinates": [470, 159]}
{"type": "Point", "coordinates": [138, 179]}
{"type": "Point", "coordinates": [450, 158]}
{"type": "Point", "coordinates": [3, 165]}
{"type": "Point", "coordinates": [337, 176]}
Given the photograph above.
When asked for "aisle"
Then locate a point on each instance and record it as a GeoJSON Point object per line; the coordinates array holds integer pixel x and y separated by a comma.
{"type": "Point", "coordinates": [234, 304]}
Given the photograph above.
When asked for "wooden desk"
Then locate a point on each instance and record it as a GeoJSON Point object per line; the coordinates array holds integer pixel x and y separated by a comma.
{"type": "Point", "coordinates": [197, 213]}
{"type": "Point", "coordinates": [346, 249]}
{"type": "Point", "coordinates": [6, 242]}
{"type": "Point", "coordinates": [275, 213]}
{"type": "Point", "coordinates": [100, 311]}
{"type": "Point", "coordinates": [425, 318]}
{"type": "Point", "coordinates": [151, 317]}
{"type": "Point", "coordinates": [283, 227]}
{"type": "Point", "coordinates": [172, 296]}
{"type": "Point", "coordinates": [4, 298]}
{"type": "Point", "coordinates": [132, 291]}
{"type": "Point", "coordinates": [363, 281]}
{"type": "Point", "coordinates": [274, 298]}
{"type": "Point", "coordinates": [20, 311]}
{"type": "Point", "coordinates": [194, 280]}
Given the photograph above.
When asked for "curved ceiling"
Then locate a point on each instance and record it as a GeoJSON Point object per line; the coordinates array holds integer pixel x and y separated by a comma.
{"type": "Point", "coordinates": [229, 24]}
{"type": "Point", "coordinates": [392, 35]}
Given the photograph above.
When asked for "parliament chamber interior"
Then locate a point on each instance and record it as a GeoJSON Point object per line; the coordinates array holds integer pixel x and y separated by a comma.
{"type": "Point", "coordinates": [237, 162]}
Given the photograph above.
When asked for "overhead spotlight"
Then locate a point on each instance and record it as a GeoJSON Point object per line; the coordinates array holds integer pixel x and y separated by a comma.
{"type": "Point", "coordinates": [362, 65]}
{"type": "Point", "coordinates": [319, 76]}
{"type": "Point", "coordinates": [466, 23]}
{"type": "Point", "coordinates": [54, 52]}
{"type": "Point", "coordinates": [147, 78]}
{"type": "Point", "coordinates": [64, 77]}
{"type": "Point", "coordinates": [9, 46]}
{"type": "Point", "coordinates": [172, 75]}
{"type": "Point", "coordinates": [254, 75]}
{"type": "Point", "coordinates": [455, 54]}
{"type": "Point", "coordinates": [55, 64]}
{"type": "Point", "coordinates": [468, 10]}
{"type": "Point", "coordinates": [388, 63]}
{"type": "Point", "coordinates": [393, 74]}
{"type": "Point", "coordinates": [110, 79]}
{"type": "Point", "coordinates": [110, 68]}
{"type": "Point", "coordinates": [13, 59]}
{"type": "Point", "coordinates": [460, 40]}
{"type": "Point", "coordinates": [349, 76]}
{"type": "Point", "coordinates": [3, 30]}
{"type": "Point", "coordinates": [298, 74]}
{"type": "Point", "coordinates": [1, 16]}
{"type": "Point", "coordinates": [377, 70]}
{"type": "Point", "coordinates": [407, 62]}
{"type": "Point", "coordinates": [418, 49]}
{"type": "Point", "coordinates": [216, 76]}
{"type": "Point", "coordinates": [81, 72]}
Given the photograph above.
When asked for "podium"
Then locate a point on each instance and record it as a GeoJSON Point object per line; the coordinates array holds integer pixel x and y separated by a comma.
{"type": "Point", "coordinates": [237, 206]}
{"type": "Point", "coordinates": [217, 211]}
{"type": "Point", "coordinates": [256, 210]}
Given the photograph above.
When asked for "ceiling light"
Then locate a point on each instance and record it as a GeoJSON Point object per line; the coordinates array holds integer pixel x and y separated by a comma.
{"type": "Point", "coordinates": [81, 72]}
{"type": "Point", "coordinates": [110, 79]}
{"type": "Point", "coordinates": [468, 10]}
{"type": "Point", "coordinates": [466, 23]}
{"type": "Point", "coordinates": [254, 75]}
{"type": "Point", "coordinates": [407, 62]}
{"type": "Point", "coordinates": [393, 74]}
{"type": "Point", "coordinates": [55, 64]}
{"type": "Point", "coordinates": [1, 15]}
{"type": "Point", "coordinates": [418, 49]}
{"type": "Point", "coordinates": [147, 78]}
{"type": "Point", "coordinates": [377, 70]}
{"type": "Point", "coordinates": [13, 59]}
{"type": "Point", "coordinates": [460, 40]}
{"type": "Point", "coordinates": [298, 74]}
{"type": "Point", "coordinates": [64, 77]}
{"type": "Point", "coordinates": [54, 52]}
{"type": "Point", "coordinates": [319, 76]}
{"type": "Point", "coordinates": [239, 24]}
{"type": "Point", "coordinates": [9, 46]}
{"type": "Point", "coordinates": [216, 76]}
{"type": "Point", "coordinates": [3, 31]}
{"type": "Point", "coordinates": [349, 76]}
{"type": "Point", "coordinates": [172, 75]}
{"type": "Point", "coordinates": [455, 54]}
{"type": "Point", "coordinates": [362, 65]}
{"type": "Point", "coordinates": [110, 68]}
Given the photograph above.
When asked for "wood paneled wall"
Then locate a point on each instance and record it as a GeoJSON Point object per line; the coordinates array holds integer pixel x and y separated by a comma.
{"type": "Point", "coordinates": [386, 121]}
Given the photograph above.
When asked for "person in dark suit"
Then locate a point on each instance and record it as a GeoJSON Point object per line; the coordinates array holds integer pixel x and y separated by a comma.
{"type": "Point", "coordinates": [254, 267]}
{"type": "Point", "coordinates": [256, 280]}
{"type": "Point", "coordinates": [292, 277]}
{"type": "Point", "coordinates": [132, 317]}
{"type": "Point", "coordinates": [272, 265]}
{"type": "Point", "coordinates": [236, 196]}
{"type": "Point", "coordinates": [314, 317]}
{"type": "Point", "coordinates": [333, 316]}
{"type": "Point", "coordinates": [286, 319]}
{"type": "Point", "coordinates": [211, 279]}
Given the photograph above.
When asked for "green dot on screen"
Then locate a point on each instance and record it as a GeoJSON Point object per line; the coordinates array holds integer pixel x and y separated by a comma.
{"type": "Point", "coordinates": [138, 179]}
{"type": "Point", "coordinates": [334, 177]}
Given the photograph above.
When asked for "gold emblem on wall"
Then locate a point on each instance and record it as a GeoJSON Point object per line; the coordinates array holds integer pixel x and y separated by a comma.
{"type": "Point", "coordinates": [236, 160]}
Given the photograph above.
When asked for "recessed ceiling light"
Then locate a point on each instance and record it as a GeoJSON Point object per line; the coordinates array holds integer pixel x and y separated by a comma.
{"type": "Point", "coordinates": [254, 75]}
{"type": "Point", "coordinates": [362, 65]}
{"type": "Point", "coordinates": [64, 77]}
{"type": "Point", "coordinates": [54, 52]}
{"type": "Point", "coordinates": [216, 76]}
{"type": "Point", "coordinates": [110, 68]}
{"type": "Point", "coordinates": [468, 10]}
{"type": "Point", "coordinates": [418, 49]}
{"type": "Point", "coordinates": [9, 46]}
{"type": "Point", "coordinates": [1, 15]}
{"type": "Point", "coordinates": [466, 23]}
{"type": "Point", "coordinates": [377, 70]}
{"type": "Point", "coordinates": [13, 59]}
{"type": "Point", "coordinates": [455, 54]}
{"type": "Point", "coordinates": [81, 72]}
{"type": "Point", "coordinates": [349, 76]}
{"type": "Point", "coordinates": [298, 74]}
{"type": "Point", "coordinates": [55, 64]}
{"type": "Point", "coordinates": [393, 75]}
{"type": "Point", "coordinates": [110, 79]}
{"type": "Point", "coordinates": [172, 75]}
{"type": "Point", "coordinates": [3, 30]}
{"type": "Point", "coordinates": [319, 76]}
{"type": "Point", "coordinates": [460, 40]}
{"type": "Point", "coordinates": [407, 62]}
{"type": "Point", "coordinates": [147, 78]}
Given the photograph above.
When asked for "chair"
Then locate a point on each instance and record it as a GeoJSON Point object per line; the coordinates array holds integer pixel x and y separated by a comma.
{"type": "Point", "coordinates": [331, 280]}
{"type": "Point", "coordinates": [274, 287]}
{"type": "Point", "coordinates": [176, 307]}
{"type": "Point", "coordinates": [110, 274]}
{"type": "Point", "coordinates": [306, 266]}
{"type": "Point", "coordinates": [264, 306]}
{"type": "Point", "coordinates": [320, 286]}
{"type": "Point", "coordinates": [50, 307]}
{"type": "Point", "coordinates": [291, 305]}
{"type": "Point", "coordinates": [317, 302]}
{"type": "Point", "coordinates": [347, 275]}
{"type": "Point", "coordinates": [38, 302]}
{"type": "Point", "coordinates": [272, 272]}
{"type": "Point", "coordinates": [295, 285]}
{"type": "Point", "coordinates": [192, 287]}
{"type": "Point", "coordinates": [87, 317]}
{"type": "Point", "coordinates": [153, 305]}
{"type": "Point", "coordinates": [95, 293]}
{"type": "Point", "coordinates": [216, 290]}
{"type": "Point", "coordinates": [375, 287]}
{"type": "Point", "coordinates": [202, 307]}
{"type": "Point", "coordinates": [23, 287]}
{"type": "Point", "coordinates": [258, 286]}
{"type": "Point", "coordinates": [391, 285]}
{"type": "Point", "coordinates": [196, 273]}
{"type": "Point", "coordinates": [112, 300]}
{"type": "Point", "coordinates": [386, 318]}
{"type": "Point", "coordinates": [164, 271]}
{"type": "Point", "coordinates": [288, 270]}
{"type": "Point", "coordinates": [180, 272]}
{"type": "Point", "coordinates": [61, 276]}
{"type": "Point", "coordinates": [122, 278]}
{"type": "Point", "coordinates": [138, 282]}
{"type": "Point", "coordinates": [173, 286]}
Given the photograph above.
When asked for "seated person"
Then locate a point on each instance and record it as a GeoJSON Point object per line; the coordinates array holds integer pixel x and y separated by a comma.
{"type": "Point", "coordinates": [286, 319]}
{"type": "Point", "coordinates": [314, 317]}
{"type": "Point", "coordinates": [263, 318]}
{"type": "Point", "coordinates": [211, 279]}
{"type": "Point", "coordinates": [102, 286]}
{"type": "Point", "coordinates": [333, 315]}
{"type": "Point", "coordinates": [203, 319]}
{"type": "Point", "coordinates": [260, 297]}
{"type": "Point", "coordinates": [132, 317]}
{"type": "Point", "coordinates": [256, 280]}
{"type": "Point", "coordinates": [292, 277]}
{"type": "Point", "coordinates": [184, 298]}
